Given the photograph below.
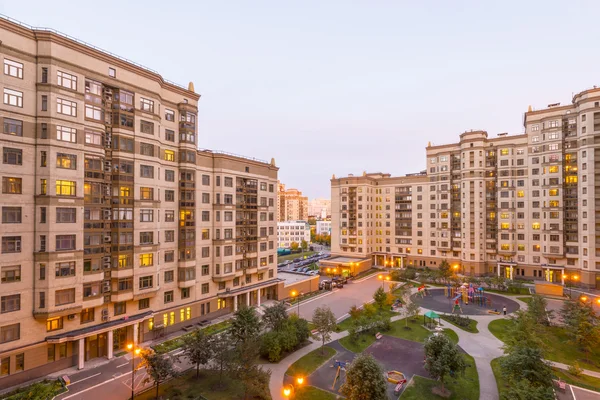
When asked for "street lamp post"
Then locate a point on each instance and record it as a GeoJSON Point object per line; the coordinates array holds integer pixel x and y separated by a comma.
{"type": "Point", "coordinates": [383, 279]}
{"type": "Point", "coordinates": [290, 389]}
{"type": "Point", "coordinates": [569, 279]}
{"type": "Point", "coordinates": [134, 352]}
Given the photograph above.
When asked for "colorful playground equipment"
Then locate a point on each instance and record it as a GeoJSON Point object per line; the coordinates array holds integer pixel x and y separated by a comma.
{"type": "Point", "coordinates": [341, 367]}
{"type": "Point", "coordinates": [397, 378]}
{"type": "Point", "coordinates": [467, 293]}
{"type": "Point", "coordinates": [422, 291]}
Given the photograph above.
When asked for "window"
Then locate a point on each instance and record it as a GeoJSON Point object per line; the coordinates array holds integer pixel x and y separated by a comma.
{"type": "Point", "coordinates": [11, 273]}
{"type": "Point", "coordinates": [169, 195]}
{"type": "Point", "coordinates": [66, 134]}
{"type": "Point", "coordinates": [169, 175]}
{"type": "Point", "coordinates": [146, 282]}
{"type": "Point", "coordinates": [66, 161]}
{"type": "Point", "coordinates": [228, 216]}
{"type": "Point", "coordinates": [93, 138]}
{"type": "Point", "coordinates": [11, 215]}
{"type": "Point", "coordinates": [66, 296]}
{"type": "Point", "coordinates": [12, 156]}
{"type": "Point", "coordinates": [169, 256]}
{"type": "Point", "coordinates": [65, 188]}
{"type": "Point", "coordinates": [185, 294]}
{"type": "Point", "coordinates": [205, 216]}
{"type": "Point", "coordinates": [204, 288]}
{"type": "Point", "coordinates": [87, 315]}
{"type": "Point", "coordinates": [20, 362]}
{"type": "Point", "coordinates": [65, 242]}
{"type": "Point", "coordinates": [169, 236]}
{"type": "Point", "coordinates": [66, 215]}
{"type": "Point", "coordinates": [147, 127]}
{"type": "Point", "coordinates": [146, 193]}
{"type": "Point", "coordinates": [66, 107]}
{"type": "Point", "coordinates": [13, 68]}
{"type": "Point", "coordinates": [11, 244]}
{"type": "Point", "coordinates": [169, 276]}
{"type": "Point", "coordinates": [146, 237]}
{"type": "Point", "coordinates": [205, 252]}
{"type": "Point", "coordinates": [10, 303]}
{"type": "Point", "coordinates": [9, 333]}
{"type": "Point", "coordinates": [206, 180]}
{"type": "Point", "coordinates": [67, 80]}
{"type": "Point", "coordinates": [11, 185]}
{"type": "Point", "coordinates": [169, 155]}
{"type": "Point", "coordinates": [147, 149]}
{"type": "Point", "coordinates": [65, 269]}
{"type": "Point", "coordinates": [553, 192]}
{"type": "Point", "coordinates": [146, 171]}
{"type": "Point", "coordinates": [44, 103]}
{"type": "Point", "coordinates": [168, 297]}
{"type": "Point", "coordinates": [169, 115]}
{"type": "Point", "coordinates": [169, 135]}
{"type": "Point", "coordinates": [146, 259]}
{"type": "Point", "coordinates": [120, 308]}
{"type": "Point", "coordinates": [13, 127]}
{"type": "Point", "coordinates": [228, 181]}
{"type": "Point", "coordinates": [146, 105]}
{"type": "Point", "coordinates": [143, 304]}
{"type": "Point", "coordinates": [13, 97]}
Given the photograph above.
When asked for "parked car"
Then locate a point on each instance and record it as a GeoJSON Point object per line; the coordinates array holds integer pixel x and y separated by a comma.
{"type": "Point", "coordinates": [286, 262]}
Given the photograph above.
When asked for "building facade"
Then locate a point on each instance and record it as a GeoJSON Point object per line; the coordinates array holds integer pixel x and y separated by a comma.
{"type": "Point", "coordinates": [323, 228]}
{"type": "Point", "coordinates": [291, 205]}
{"type": "Point", "coordinates": [513, 205]}
{"type": "Point", "coordinates": [319, 208]}
{"type": "Point", "coordinates": [103, 184]}
{"type": "Point", "coordinates": [289, 232]}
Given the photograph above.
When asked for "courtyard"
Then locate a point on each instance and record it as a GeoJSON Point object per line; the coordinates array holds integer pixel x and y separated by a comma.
{"type": "Point", "coordinates": [439, 302]}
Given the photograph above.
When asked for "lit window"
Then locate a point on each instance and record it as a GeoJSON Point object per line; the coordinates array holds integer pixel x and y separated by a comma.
{"type": "Point", "coordinates": [553, 169]}
{"type": "Point", "coordinates": [504, 225]}
{"type": "Point", "coordinates": [535, 226]}
{"type": "Point", "coordinates": [520, 193]}
{"type": "Point", "coordinates": [169, 155]}
{"type": "Point", "coordinates": [504, 152]}
{"type": "Point", "coordinates": [146, 259]}
{"type": "Point", "coordinates": [553, 192]}
{"type": "Point", "coordinates": [65, 188]}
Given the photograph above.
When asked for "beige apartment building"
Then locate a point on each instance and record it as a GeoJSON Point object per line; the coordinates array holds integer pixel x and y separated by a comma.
{"type": "Point", "coordinates": [291, 205]}
{"type": "Point", "coordinates": [115, 227]}
{"type": "Point", "coordinates": [512, 205]}
{"type": "Point", "coordinates": [319, 208]}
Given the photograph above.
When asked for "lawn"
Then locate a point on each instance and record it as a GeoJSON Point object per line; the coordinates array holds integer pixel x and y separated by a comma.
{"type": "Point", "coordinates": [41, 390]}
{"type": "Point", "coordinates": [513, 292]}
{"type": "Point", "coordinates": [358, 345]}
{"type": "Point", "coordinates": [291, 257]}
{"type": "Point", "coordinates": [462, 387]}
{"type": "Point", "coordinates": [366, 273]}
{"type": "Point", "coordinates": [186, 386]}
{"type": "Point", "coordinates": [312, 393]}
{"type": "Point", "coordinates": [584, 381]}
{"type": "Point", "coordinates": [499, 328]}
{"type": "Point", "coordinates": [310, 362]}
{"type": "Point", "coordinates": [172, 344]}
{"type": "Point", "coordinates": [502, 386]}
{"type": "Point", "coordinates": [525, 300]}
{"type": "Point", "coordinates": [347, 323]}
{"type": "Point", "coordinates": [471, 328]}
{"type": "Point", "coordinates": [558, 347]}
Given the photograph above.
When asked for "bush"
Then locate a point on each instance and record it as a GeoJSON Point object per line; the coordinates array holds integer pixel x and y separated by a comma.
{"type": "Point", "coordinates": [270, 348]}
{"type": "Point", "coordinates": [458, 320]}
{"type": "Point", "coordinates": [292, 333]}
{"type": "Point", "coordinates": [575, 370]}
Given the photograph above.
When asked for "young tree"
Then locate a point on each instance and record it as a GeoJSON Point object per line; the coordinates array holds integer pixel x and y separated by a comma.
{"type": "Point", "coordinates": [300, 328]}
{"type": "Point", "coordinates": [526, 363]}
{"type": "Point", "coordinates": [522, 390]}
{"type": "Point", "coordinates": [294, 246]}
{"type": "Point", "coordinates": [582, 323]}
{"type": "Point", "coordinates": [304, 245]}
{"type": "Point", "coordinates": [354, 312]}
{"type": "Point", "coordinates": [275, 316]}
{"type": "Point", "coordinates": [524, 332]}
{"type": "Point", "coordinates": [223, 353]}
{"type": "Point", "coordinates": [196, 347]}
{"type": "Point", "coordinates": [158, 367]}
{"type": "Point", "coordinates": [325, 322]}
{"type": "Point", "coordinates": [413, 310]}
{"type": "Point", "coordinates": [537, 309]}
{"type": "Point", "coordinates": [445, 270]}
{"type": "Point", "coordinates": [380, 298]}
{"type": "Point", "coordinates": [442, 357]}
{"type": "Point", "coordinates": [365, 380]}
{"type": "Point", "coordinates": [246, 325]}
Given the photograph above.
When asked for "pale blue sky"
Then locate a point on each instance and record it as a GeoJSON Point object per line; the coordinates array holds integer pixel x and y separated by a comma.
{"type": "Point", "coordinates": [345, 86]}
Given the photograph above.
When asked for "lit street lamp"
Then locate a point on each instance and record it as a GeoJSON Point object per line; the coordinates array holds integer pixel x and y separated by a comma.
{"type": "Point", "coordinates": [290, 389]}
{"type": "Point", "coordinates": [134, 352]}
{"type": "Point", "coordinates": [570, 279]}
{"type": "Point", "coordinates": [383, 279]}
{"type": "Point", "coordinates": [297, 296]}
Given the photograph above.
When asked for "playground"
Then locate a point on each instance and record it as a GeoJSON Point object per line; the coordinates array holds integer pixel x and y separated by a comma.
{"type": "Point", "coordinates": [464, 300]}
{"type": "Point", "coordinates": [395, 355]}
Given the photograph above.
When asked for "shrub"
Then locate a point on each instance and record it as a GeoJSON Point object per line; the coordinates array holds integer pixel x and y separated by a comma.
{"type": "Point", "coordinates": [575, 369]}
{"type": "Point", "coordinates": [270, 348]}
{"type": "Point", "coordinates": [459, 320]}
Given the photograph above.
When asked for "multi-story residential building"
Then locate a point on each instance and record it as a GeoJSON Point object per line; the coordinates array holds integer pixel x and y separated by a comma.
{"type": "Point", "coordinates": [291, 205]}
{"type": "Point", "coordinates": [102, 184]}
{"type": "Point", "coordinates": [289, 232]}
{"type": "Point", "coordinates": [323, 228]}
{"type": "Point", "coordinates": [319, 208]}
{"type": "Point", "coordinates": [512, 205]}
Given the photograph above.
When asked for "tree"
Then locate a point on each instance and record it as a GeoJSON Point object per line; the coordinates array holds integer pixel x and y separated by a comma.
{"type": "Point", "coordinates": [275, 316]}
{"type": "Point", "coordinates": [537, 308]}
{"type": "Point", "coordinates": [158, 367]}
{"type": "Point", "coordinates": [365, 380]}
{"type": "Point", "coordinates": [582, 325]}
{"type": "Point", "coordinates": [325, 323]}
{"type": "Point", "coordinates": [524, 332]}
{"type": "Point", "coordinates": [245, 325]}
{"type": "Point", "coordinates": [380, 298]}
{"type": "Point", "coordinates": [354, 312]}
{"type": "Point", "coordinates": [445, 270]}
{"type": "Point", "coordinates": [304, 245]}
{"type": "Point", "coordinates": [526, 363]}
{"type": "Point", "coordinates": [522, 390]}
{"type": "Point", "coordinates": [442, 357]}
{"type": "Point", "coordinates": [300, 326]}
{"type": "Point", "coordinates": [294, 246]}
{"type": "Point", "coordinates": [197, 349]}
{"type": "Point", "coordinates": [245, 366]}
{"type": "Point", "coordinates": [413, 310]}
{"type": "Point", "coordinates": [223, 353]}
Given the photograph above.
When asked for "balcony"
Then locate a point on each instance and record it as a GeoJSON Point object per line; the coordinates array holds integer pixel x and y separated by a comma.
{"type": "Point", "coordinates": [58, 311]}
{"type": "Point", "coordinates": [121, 295]}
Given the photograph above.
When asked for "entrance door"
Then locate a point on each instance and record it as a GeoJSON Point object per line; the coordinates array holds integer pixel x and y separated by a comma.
{"type": "Point", "coordinates": [507, 272]}
{"type": "Point", "coordinates": [91, 347]}
{"type": "Point", "coordinates": [119, 338]}
{"type": "Point", "coordinates": [102, 338]}
{"type": "Point", "coordinates": [598, 281]}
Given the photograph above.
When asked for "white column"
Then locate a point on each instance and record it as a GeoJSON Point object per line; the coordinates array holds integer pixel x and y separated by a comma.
{"type": "Point", "coordinates": [401, 262]}
{"type": "Point", "coordinates": [81, 354]}
{"type": "Point", "coordinates": [498, 267]}
{"type": "Point", "coordinates": [135, 334]}
{"type": "Point", "coordinates": [248, 299]}
{"type": "Point", "coordinates": [234, 303]}
{"type": "Point", "coordinates": [258, 297]}
{"type": "Point", "coordinates": [562, 276]}
{"type": "Point", "coordinates": [109, 343]}
{"type": "Point", "coordinates": [511, 272]}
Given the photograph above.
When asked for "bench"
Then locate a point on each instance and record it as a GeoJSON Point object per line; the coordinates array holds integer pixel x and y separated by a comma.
{"type": "Point", "coordinates": [378, 336]}
{"type": "Point", "coordinates": [398, 388]}
{"type": "Point", "coordinates": [188, 328]}
{"type": "Point", "coordinates": [562, 385]}
{"type": "Point", "coordinates": [66, 380]}
{"type": "Point", "coordinates": [203, 322]}
{"type": "Point", "coordinates": [493, 312]}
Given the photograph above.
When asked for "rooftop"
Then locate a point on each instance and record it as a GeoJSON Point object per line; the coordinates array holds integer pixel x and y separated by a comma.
{"type": "Point", "coordinates": [291, 278]}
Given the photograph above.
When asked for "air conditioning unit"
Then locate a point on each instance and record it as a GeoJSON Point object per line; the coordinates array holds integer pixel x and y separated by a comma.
{"type": "Point", "coordinates": [106, 265]}
{"type": "Point", "coordinates": [107, 259]}
{"type": "Point", "coordinates": [105, 318]}
{"type": "Point", "coordinates": [107, 239]}
{"type": "Point", "coordinates": [105, 312]}
{"type": "Point", "coordinates": [228, 290]}
{"type": "Point", "coordinates": [71, 317]}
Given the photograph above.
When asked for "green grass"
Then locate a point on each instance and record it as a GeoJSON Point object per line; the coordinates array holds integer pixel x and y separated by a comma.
{"type": "Point", "coordinates": [452, 335]}
{"type": "Point", "coordinates": [358, 345]}
{"type": "Point", "coordinates": [175, 343]}
{"type": "Point", "coordinates": [291, 257]}
{"type": "Point", "coordinates": [513, 292]}
{"type": "Point", "coordinates": [461, 387]}
{"type": "Point", "coordinates": [558, 347]}
{"type": "Point", "coordinates": [312, 393]}
{"type": "Point", "coordinates": [525, 300]}
{"type": "Point", "coordinates": [499, 328]}
{"type": "Point", "coordinates": [471, 328]}
{"type": "Point", "coordinates": [186, 386]}
{"type": "Point", "coordinates": [347, 323]}
{"type": "Point", "coordinates": [366, 273]}
{"type": "Point", "coordinates": [310, 362]}
{"type": "Point", "coordinates": [500, 382]}
{"type": "Point", "coordinates": [45, 389]}
{"type": "Point", "coordinates": [584, 381]}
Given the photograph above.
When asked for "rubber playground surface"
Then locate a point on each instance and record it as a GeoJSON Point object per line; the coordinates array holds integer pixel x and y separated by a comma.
{"type": "Point", "coordinates": [437, 301]}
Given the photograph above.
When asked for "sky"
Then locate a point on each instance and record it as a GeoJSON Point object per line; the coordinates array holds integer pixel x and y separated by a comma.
{"type": "Point", "coordinates": [339, 87]}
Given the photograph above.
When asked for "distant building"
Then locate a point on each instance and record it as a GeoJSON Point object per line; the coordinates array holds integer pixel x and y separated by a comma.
{"type": "Point", "coordinates": [319, 208]}
{"type": "Point", "coordinates": [292, 231]}
{"type": "Point", "coordinates": [323, 228]}
{"type": "Point", "coordinates": [291, 205]}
